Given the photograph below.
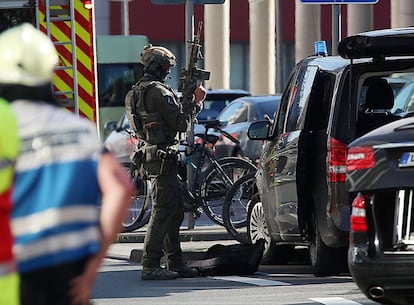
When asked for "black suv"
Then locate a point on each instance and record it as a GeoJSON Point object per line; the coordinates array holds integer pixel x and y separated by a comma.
{"type": "Point", "coordinates": [328, 102]}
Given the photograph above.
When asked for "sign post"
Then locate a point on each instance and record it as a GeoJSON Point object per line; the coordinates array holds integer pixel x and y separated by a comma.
{"type": "Point", "coordinates": [336, 16]}
{"type": "Point", "coordinates": [184, 1]}
{"type": "Point", "coordinates": [339, 1]}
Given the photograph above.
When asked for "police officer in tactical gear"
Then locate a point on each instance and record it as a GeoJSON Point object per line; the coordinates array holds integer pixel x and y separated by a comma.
{"type": "Point", "coordinates": [161, 119]}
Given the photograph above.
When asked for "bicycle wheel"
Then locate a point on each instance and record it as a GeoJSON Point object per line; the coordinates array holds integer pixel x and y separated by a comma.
{"type": "Point", "coordinates": [216, 182]}
{"type": "Point", "coordinates": [139, 211]}
{"type": "Point", "coordinates": [236, 205]}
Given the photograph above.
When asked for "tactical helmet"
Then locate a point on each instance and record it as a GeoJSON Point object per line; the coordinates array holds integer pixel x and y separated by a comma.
{"type": "Point", "coordinates": [27, 56]}
{"type": "Point", "coordinates": [157, 55]}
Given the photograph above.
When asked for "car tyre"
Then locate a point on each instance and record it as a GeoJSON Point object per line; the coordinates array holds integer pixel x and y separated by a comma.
{"type": "Point", "coordinates": [325, 261]}
{"type": "Point", "coordinates": [236, 206]}
{"type": "Point", "coordinates": [257, 229]}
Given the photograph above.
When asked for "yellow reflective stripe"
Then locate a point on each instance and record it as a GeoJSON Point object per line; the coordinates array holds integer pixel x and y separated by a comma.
{"type": "Point", "coordinates": [9, 144]}
{"type": "Point", "coordinates": [86, 109]}
{"type": "Point", "coordinates": [61, 84]}
{"type": "Point", "coordinates": [9, 287]}
{"type": "Point", "coordinates": [81, 9]}
{"type": "Point", "coordinates": [35, 223]}
{"type": "Point", "coordinates": [57, 244]}
{"type": "Point", "coordinates": [82, 54]}
{"type": "Point", "coordinates": [86, 105]}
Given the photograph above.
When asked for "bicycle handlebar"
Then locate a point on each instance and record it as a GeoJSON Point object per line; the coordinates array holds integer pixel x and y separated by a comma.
{"type": "Point", "coordinates": [210, 123]}
{"type": "Point", "coordinates": [216, 124]}
{"type": "Point", "coordinates": [229, 136]}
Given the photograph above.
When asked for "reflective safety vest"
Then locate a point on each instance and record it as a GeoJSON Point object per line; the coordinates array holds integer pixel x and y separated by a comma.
{"type": "Point", "coordinates": [9, 146]}
{"type": "Point", "coordinates": [56, 196]}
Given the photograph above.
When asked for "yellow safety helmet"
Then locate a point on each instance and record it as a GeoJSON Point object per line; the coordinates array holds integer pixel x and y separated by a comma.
{"type": "Point", "coordinates": [27, 56]}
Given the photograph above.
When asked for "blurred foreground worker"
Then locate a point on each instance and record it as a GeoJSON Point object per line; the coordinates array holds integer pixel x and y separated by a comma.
{"type": "Point", "coordinates": [158, 117]}
{"type": "Point", "coordinates": [70, 195]}
{"type": "Point", "coordinates": [9, 145]}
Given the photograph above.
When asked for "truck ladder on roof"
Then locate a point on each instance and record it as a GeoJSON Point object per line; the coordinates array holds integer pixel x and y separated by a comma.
{"type": "Point", "coordinates": [60, 14]}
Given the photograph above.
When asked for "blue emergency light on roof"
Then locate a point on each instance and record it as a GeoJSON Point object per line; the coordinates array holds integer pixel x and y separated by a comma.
{"type": "Point", "coordinates": [320, 48]}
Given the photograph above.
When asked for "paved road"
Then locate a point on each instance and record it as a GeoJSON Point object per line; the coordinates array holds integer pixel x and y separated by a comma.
{"type": "Point", "coordinates": [119, 280]}
{"type": "Point", "coordinates": [119, 283]}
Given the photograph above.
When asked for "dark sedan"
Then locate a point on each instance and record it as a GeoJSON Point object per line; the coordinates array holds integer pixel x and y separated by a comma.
{"type": "Point", "coordinates": [236, 118]}
{"type": "Point", "coordinates": [380, 177]}
{"type": "Point", "coordinates": [217, 99]}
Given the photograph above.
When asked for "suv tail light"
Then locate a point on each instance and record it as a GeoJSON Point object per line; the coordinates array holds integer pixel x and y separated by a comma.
{"type": "Point", "coordinates": [337, 161]}
{"type": "Point", "coordinates": [358, 215]}
{"type": "Point", "coordinates": [360, 157]}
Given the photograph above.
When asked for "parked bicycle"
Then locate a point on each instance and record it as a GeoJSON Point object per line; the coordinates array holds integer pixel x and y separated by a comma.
{"type": "Point", "coordinates": [139, 211]}
{"type": "Point", "coordinates": [236, 205]}
{"type": "Point", "coordinates": [212, 178]}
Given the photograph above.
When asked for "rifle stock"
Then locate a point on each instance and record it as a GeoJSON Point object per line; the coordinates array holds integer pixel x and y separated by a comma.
{"type": "Point", "coordinates": [191, 77]}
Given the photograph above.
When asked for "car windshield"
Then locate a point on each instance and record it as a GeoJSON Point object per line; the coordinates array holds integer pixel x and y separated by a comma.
{"type": "Point", "coordinates": [211, 108]}
{"type": "Point", "coordinates": [237, 112]}
{"type": "Point", "coordinates": [404, 101]}
{"type": "Point", "coordinates": [217, 100]}
{"type": "Point", "coordinates": [266, 108]}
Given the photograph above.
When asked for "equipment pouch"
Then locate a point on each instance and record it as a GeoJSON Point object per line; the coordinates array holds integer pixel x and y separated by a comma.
{"type": "Point", "coordinates": [137, 157]}
{"type": "Point", "coordinates": [157, 133]}
{"type": "Point", "coordinates": [135, 119]}
{"type": "Point", "coordinates": [151, 153]}
{"type": "Point", "coordinates": [169, 165]}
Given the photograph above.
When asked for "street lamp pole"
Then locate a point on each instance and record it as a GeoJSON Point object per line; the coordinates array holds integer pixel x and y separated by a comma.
{"type": "Point", "coordinates": [125, 17]}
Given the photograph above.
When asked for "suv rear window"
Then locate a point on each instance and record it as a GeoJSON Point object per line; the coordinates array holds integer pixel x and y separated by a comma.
{"type": "Point", "coordinates": [320, 102]}
{"type": "Point", "coordinates": [299, 98]}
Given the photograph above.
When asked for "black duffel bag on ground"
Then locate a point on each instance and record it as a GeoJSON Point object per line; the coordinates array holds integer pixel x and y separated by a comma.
{"type": "Point", "coordinates": [237, 259]}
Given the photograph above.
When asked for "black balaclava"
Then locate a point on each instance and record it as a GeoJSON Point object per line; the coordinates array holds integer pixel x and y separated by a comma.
{"type": "Point", "coordinates": [156, 71]}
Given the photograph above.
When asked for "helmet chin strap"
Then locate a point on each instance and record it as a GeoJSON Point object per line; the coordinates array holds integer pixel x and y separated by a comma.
{"type": "Point", "coordinates": [157, 71]}
{"type": "Point", "coordinates": [164, 74]}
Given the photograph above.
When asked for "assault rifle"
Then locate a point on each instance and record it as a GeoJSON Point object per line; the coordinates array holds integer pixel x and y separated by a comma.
{"type": "Point", "coordinates": [191, 77]}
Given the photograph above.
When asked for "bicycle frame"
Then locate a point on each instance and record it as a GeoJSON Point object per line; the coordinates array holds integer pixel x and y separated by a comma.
{"type": "Point", "coordinates": [198, 196]}
{"type": "Point", "coordinates": [192, 193]}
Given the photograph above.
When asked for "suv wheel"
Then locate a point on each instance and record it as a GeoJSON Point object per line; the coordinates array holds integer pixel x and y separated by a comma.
{"type": "Point", "coordinates": [324, 260]}
{"type": "Point", "coordinates": [257, 229]}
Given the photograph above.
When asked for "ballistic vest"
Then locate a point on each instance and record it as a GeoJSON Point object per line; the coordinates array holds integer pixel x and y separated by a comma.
{"type": "Point", "coordinates": [146, 122]}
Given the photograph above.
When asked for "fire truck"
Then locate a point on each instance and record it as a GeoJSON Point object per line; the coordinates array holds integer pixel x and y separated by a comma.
{"type": "Point", "coordinates": [77, 87]}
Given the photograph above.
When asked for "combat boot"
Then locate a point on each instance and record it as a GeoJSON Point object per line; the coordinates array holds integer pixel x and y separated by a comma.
{"type": "Point", "coordinates": [185, 271]}
{"type": "Point", "coordinates": [158, 274]}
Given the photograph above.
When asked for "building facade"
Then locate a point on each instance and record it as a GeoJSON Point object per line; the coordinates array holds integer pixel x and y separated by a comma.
{"type": "Point", "coordinates": [295, 23]}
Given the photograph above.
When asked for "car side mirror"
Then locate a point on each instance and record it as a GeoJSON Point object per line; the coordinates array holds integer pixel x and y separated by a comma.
{"type": "Point", "coordinates": [258, 130]}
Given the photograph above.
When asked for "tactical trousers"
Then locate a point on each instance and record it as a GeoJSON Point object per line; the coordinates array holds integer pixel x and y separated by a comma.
{"type": "Point", "coordinates": [167, 214]}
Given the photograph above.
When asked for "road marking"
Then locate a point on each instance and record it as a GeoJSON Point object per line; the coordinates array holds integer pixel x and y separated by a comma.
{"type": "Point", "coordinates": [251, 280]}
{"type": "Point", "coordinates": [334, 301]}
{"type": "Point", "coordinates": [284, 274]}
